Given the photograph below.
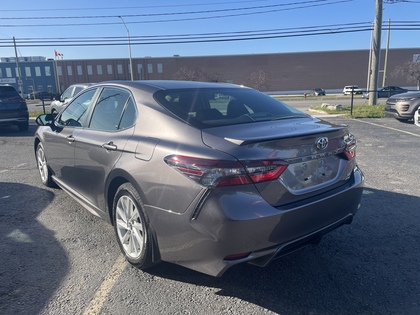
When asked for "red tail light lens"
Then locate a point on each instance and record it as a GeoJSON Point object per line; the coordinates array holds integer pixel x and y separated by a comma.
{"type": "Point", "coordinates": [218, 173]}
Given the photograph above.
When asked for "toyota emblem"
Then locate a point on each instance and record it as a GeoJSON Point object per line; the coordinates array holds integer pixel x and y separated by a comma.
{"type": "Point", "coordinates": [322, 143]}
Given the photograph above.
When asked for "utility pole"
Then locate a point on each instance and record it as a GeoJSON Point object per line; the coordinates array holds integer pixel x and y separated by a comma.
{"type": "Point", "coordinates": [377, 28]}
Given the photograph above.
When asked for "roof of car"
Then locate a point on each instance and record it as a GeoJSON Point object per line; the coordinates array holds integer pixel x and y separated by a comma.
{"type": "Point", "coordinates": [172, 84]}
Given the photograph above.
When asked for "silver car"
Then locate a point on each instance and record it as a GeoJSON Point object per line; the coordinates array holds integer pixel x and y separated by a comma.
{"type": "Point", "coordinates": [67, 96]}
{"type": "Point", "coordinates": [204, 175]}
{"type": "Point", "coordinates": [403, 106]}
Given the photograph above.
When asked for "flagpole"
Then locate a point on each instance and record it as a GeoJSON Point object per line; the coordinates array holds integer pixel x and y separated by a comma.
{"type": "Point", "coordinates": [57, 79]}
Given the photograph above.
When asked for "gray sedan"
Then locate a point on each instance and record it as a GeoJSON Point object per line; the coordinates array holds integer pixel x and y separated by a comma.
{"type": "Point", "coordinates": [204, 175]}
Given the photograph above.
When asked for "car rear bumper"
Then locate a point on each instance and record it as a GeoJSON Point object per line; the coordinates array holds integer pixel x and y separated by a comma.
{"type": "Point", "coordinates": [208, 238]}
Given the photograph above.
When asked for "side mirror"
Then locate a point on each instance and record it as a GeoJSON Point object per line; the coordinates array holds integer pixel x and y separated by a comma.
{"type": "Point", "coordinates": [45, 120]}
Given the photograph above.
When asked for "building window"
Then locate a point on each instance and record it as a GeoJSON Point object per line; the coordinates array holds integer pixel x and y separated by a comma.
{"type": "Point", "coordinates": [109, 69]}
{"type": "Point", "coordinates": [9, 72]}
{"type": "Point", "coordinates": [59, 70]}
{"type": "Point", "coordinates": [47, 71]}
{"type": "Point", "coordinates": [99, 69]}
{"type": "Point", "coordinates": [28, 72]}
{"type": "Point", "coordinates": [1, 73]}
{"type": "Point", "coordinates": [79, 70]}
{"type": "Point", "coordinates": [140, 71]}
{"type": "Point", "coordinates": [149, 68]}
{"type": "Point", "coordinates": [119, 69]}
{"type": "Point", "coordinates": [69, 70]}
{"type": "Point", "coordinates": [89, 70]}
{"type": "Point", "coordinates": [160, 68]}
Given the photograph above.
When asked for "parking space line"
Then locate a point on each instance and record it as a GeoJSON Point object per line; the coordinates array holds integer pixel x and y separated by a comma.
{"type": "Point", "coordinates": [391, 128]}
{"type": "Point", "coordinates": [101, 294]}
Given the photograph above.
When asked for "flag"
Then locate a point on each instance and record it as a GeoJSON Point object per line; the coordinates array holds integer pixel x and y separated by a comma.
{"type": "Point", "coordinates": [57, 54]}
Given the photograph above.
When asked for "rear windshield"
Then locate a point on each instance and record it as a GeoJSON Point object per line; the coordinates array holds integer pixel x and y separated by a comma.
{"type": "Point", "coordinates": [224, 107]}
{"type": "Point", "coordinates": [8, 91]}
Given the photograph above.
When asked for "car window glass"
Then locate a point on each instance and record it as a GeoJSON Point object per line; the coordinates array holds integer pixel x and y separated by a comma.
{"type": "Point", "coordinates": [74, 113]}
{"type": "Point", "coordinates": [223, 107]}
{"type": "Point", "coordinates": [67, 93]}
{"type": "Point", "coordinates": [8, 91]}
{"type": "Point", "coordinates": [129, 116]}
{"type": "Point", "coordinates": [77, 89]}
{"type": "Point", "coordinates": [108, 109]}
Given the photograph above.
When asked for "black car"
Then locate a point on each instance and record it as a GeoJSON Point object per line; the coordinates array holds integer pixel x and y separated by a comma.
{"type": "Point", "coordinates": [13, 108]}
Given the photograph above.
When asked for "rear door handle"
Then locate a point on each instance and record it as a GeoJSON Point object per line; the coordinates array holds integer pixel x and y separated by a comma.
{"type": "Point", "coordinates": [109, 146]}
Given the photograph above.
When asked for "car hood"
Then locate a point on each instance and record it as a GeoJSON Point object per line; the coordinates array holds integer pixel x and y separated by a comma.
{"type": "Point", "coordinates": [406, 95]}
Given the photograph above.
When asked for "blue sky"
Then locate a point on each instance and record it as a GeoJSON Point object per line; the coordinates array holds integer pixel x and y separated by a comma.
{"type": "Point", "coordinates": [53, 23]}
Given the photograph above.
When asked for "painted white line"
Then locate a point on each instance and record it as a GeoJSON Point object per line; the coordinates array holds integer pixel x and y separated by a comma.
{"type": "Point", "coordinates": [101, 294]}
{"type": "Point", "coordinates": [391, 128]}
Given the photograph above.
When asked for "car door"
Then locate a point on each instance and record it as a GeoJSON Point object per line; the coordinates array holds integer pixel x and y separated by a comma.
{"type": "Point", "coordinates": [100, 145]}
{"type": "Point", "coordinates": [61, 139]}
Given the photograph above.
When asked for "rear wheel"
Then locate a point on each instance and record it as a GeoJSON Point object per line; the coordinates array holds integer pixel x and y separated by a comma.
{"type": "Point", "coordinates": [131, 227]}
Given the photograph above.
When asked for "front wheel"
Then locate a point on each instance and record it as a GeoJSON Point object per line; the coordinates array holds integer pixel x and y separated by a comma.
{"type": "Point", "coordinates": [417, 117]}
{"type": "Point", "coordinates": [132, 228]}
{"type": "Point", "coordinates": [43, 168]}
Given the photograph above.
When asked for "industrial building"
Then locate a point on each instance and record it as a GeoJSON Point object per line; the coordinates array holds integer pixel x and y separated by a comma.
{"type": "Point", "coordinates": [267, 72]}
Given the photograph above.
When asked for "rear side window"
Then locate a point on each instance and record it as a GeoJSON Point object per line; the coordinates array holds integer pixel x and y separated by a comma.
{"type": "Point", "coordinates": [8, 91]}
{"type": "Point", "coordinates": [224, 107]}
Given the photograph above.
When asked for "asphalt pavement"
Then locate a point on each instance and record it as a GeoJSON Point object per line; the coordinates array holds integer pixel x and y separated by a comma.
{"type": "Point", "coordinates": [57, 258]}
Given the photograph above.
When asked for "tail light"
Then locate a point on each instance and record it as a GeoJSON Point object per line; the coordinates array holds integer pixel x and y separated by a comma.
{"type": "Point", "coordinates": [219, 173]}
{"type": "Point", "coordinates": [350, 149]}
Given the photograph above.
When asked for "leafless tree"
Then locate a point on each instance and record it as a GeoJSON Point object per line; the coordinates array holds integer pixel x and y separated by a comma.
{"type": "Point", "coordinates": [259, 80]}
{"type": "Point", "coordinates": [189, 74]}
{"type": "Point", "coordinates": [410, 70]}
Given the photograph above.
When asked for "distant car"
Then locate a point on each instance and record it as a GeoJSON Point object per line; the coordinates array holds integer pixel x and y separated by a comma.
{"type": "Point", "coordinates": [387, 91]}
{"type": "Point", "coordinates": [403, 106]}
{"type": "Point", "coordinates": [67, 96]}
{"type": "Point", "coordinates": [13, 108]}
{"type": "Point", "coordinates": [348, 89]}
{"type": "Point", "coordinates": [317, 92]}
{"type": "Point", "coordinates": [205, 175]}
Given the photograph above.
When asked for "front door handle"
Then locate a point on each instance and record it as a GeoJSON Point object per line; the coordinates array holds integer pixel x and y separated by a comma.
{"type": "Point", "coordinates": [70, 138]}
{"type": "Point", "coordinates": [109, 146]}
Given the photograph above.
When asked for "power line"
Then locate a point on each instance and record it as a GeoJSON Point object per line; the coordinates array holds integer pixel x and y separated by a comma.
{"type": "Point", "coordinates": [297, 5]}
{"type": "Point", "coordinates": [208, 37]}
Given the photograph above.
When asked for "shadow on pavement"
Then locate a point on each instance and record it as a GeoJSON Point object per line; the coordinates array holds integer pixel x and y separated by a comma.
{"type": "Point", "coordinates": [32, 261]}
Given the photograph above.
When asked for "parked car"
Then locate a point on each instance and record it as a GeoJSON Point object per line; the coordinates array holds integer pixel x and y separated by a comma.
{"type": "Point", "coordinates": [204, 175]}
{"type": "Point", "coordinates": [347, 90]}
{"type": "Point", "coordinates": [13, 108]}
{"type": "Point", "coordinates": [317, 92]}
{"type": "Point", "coordinates": [403, 106]}
{"type": "Point", "coordinates": [67, 96]}
{"type": "Point", "coordinates": [40, 95]}
{"type": "Point", "coordinates": [387, 91]}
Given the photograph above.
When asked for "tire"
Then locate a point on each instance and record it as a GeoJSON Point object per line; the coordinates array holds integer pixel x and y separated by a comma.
{"type": "Point", "coordinates": [43, 168]}
{"type": "Point", "coordinates": [23, 126]}
{"type": "Point", "coordinates": [417, 117]}
{"type": "Point", "coordinates": [132, 228]}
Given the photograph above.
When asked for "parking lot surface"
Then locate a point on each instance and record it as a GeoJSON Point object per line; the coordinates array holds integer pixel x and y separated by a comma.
{"type": "Point", "coordinates": [56, 258]}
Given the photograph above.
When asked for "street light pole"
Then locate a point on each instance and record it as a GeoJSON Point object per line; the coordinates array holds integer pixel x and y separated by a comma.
{"type": "Point", "coordinates": [129, 48]}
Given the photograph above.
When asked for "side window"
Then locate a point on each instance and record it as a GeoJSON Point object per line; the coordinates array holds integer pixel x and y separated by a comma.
{"type": "Point", "coordinates": [108, 109]}
{"type": "Point", "coordinates": [74, 114]}
{"type": "Point", "coordinates": [77, 89]}
{"type": "Point", "coordinates": [67, 93]}
{"type": "Point", "coordinates": [130, 115]}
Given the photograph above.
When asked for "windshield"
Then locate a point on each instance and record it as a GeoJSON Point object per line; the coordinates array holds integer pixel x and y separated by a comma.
{"type": "Point", "coordinates": [224, 107]}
